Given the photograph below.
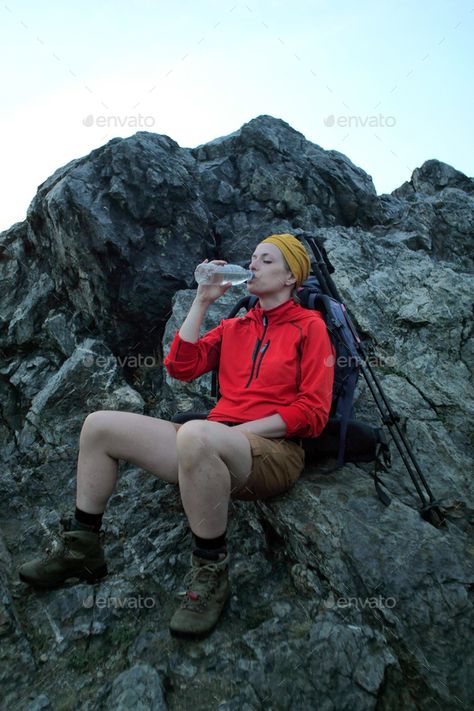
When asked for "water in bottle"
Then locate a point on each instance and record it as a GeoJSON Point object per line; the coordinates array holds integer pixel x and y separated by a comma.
{"type": "Point", "coordinates": [222, 274]}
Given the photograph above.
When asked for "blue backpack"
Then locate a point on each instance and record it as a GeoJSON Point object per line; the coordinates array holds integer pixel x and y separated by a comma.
{"type": "Point", "coordinates": [347, 364]}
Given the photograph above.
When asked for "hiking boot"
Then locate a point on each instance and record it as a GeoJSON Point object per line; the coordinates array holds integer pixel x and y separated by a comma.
{"type": "Point", "coordinates": [79, 555]}
{"type": "Point", "coordinates": [207, 592]}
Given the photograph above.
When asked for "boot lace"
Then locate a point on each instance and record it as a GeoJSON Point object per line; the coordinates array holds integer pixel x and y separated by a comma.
{"type": "Point", "coordinates": [200, 583]}
{"type": "Point", "coordinates": [57, 548]}
{"type": "Point", "coordinates": [60, 547]}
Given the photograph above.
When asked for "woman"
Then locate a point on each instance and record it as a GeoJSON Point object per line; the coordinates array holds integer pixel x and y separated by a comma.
{"type": "Point", "coordinates": [275, 376]}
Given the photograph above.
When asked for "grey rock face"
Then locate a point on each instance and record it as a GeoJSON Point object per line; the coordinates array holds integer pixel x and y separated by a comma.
{"type": "Point", "coordinates": [434, 212]}
{"type": "Point", "coordinates": [138, 688]}
{"type": "Point", "coordinates": [268, 178]}
{"type": "Point", "coordinates": [337, 601]}
{"type": "Point", "coordinates": [433, 177]}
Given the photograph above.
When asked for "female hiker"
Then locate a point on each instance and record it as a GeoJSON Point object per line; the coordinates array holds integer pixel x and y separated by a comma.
{"type": "Point", "coordinates": [275, 376]}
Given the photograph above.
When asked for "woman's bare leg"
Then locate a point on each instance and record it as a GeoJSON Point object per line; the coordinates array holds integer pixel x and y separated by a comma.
{"type": "Point", "coordinates": [208, 459]}
{"type": "Point", "coordinates": [110, 435]}
{"type": "Point", "coordinates": [213, 459]}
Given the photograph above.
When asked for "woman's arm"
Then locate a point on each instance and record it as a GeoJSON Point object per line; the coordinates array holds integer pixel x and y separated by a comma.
{"type": "Point", "coordinates": [308, 414]}
{"type": "Point", "coordinates": [190, 356]}
{"type": "Point", "coordinates": [190, 328]}
{"type": "Point", "coordinates": [205, 296]}
{"type": "Point", "coordinates": [272, 426]}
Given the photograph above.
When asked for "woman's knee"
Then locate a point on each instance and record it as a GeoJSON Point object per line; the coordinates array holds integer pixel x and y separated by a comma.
{"type": "Point", "coordinates": [192, 438]}
{"type": "Point", "coordinates": [193, 432]}
{"type": "Point", "coordinates": [96, 425]}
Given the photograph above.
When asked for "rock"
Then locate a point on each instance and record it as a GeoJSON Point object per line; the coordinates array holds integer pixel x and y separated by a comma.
{"type": "Point", "coordinates": [82, 382]}
{"type": "Point", "coordinates": [139, 688]}
{"type": "Point", "coordinates": [267, 178]}
{"type": "Point", "coordinates": [433, 213]}
{"type": "Point", "coordinates": [433, 177]}
{"type": "Point", "coordinates": [17, 664]}
{"type": "Point", "coordinates": [42, 703]}
{"type": "Point", "coordinates": [337, 601]}
{"type": "Point", "coordinates": [329, 644]}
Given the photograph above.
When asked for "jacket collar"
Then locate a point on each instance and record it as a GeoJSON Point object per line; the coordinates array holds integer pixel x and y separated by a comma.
{"type": "Point", "coordinates": [287, 311]}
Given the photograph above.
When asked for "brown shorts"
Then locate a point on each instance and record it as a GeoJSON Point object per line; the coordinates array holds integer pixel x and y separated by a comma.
{"type": "Point", "coordinates": [276, 465]}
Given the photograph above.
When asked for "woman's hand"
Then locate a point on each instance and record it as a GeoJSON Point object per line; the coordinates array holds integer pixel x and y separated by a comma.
{"type": "Point", "coordinates": [208, 293]}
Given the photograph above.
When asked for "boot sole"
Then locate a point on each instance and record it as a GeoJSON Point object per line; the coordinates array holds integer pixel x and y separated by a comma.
{"type": "Point", "coordinates": [192, 635]}
{"type": "Point", "coordinates": [93, 577]}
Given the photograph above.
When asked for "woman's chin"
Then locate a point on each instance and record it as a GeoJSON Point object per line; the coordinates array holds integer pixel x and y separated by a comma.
{"type": "Point", "coordinates": [253, 288]}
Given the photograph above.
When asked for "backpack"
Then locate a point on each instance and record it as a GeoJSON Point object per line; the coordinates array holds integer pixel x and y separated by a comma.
{"type": "Point", "coordinates": [346, 372]}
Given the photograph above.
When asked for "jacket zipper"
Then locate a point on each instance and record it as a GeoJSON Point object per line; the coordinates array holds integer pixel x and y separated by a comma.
{"type": "Point", "coordinates": [263, 350]}
{"type": "Point", "coordinates": [255, 350]}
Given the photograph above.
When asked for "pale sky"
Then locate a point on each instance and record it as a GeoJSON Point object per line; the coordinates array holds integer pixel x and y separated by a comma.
{"type": "Point", "coordinates": [387, 83]}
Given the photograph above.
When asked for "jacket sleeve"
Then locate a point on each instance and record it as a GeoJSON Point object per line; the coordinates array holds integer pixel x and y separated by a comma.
{"type": "Point", "coordinates": [308, 414]}
{"type": "Point", "coordinates": [186, 360]}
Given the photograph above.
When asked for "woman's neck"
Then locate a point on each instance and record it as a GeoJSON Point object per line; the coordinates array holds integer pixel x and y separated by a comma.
{"type": "Point", "coordinates": [272, 301]}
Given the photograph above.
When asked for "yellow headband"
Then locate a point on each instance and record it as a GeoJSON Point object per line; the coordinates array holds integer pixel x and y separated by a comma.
{"type": "Point", "coordinates": [294, 253]}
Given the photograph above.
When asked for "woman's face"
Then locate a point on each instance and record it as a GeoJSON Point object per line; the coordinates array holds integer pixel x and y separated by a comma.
{"type": "Point", "coordinates": [269, 269]}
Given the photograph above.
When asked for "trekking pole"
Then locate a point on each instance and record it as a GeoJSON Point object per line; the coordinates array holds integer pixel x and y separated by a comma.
{"type": "Point", "coordinates": [391, 419]}
{"type": "Point", "coordinates": [430, 511]}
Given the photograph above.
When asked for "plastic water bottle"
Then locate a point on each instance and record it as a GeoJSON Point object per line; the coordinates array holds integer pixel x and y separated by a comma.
{"type": "Point", "coordinates": [222, 274]}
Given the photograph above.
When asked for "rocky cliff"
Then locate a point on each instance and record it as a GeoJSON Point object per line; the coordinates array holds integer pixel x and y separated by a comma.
{"type": "Point", "coordinates": [338, 602]}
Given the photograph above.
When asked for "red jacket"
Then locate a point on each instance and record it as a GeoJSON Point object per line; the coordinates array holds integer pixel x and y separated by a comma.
{"type": "Point", "coordinates": [279, 361]}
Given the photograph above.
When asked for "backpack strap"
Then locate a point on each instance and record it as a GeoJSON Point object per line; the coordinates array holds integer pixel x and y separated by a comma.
{"type": "Point", "coordinates": [345, 413]}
